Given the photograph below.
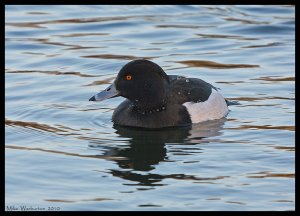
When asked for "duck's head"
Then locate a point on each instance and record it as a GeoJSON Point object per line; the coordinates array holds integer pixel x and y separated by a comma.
{"type": "Point", "coordinates": [141, 81]}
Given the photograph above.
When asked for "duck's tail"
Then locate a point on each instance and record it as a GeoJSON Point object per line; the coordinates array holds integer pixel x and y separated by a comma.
{"type": "Point", "coordinates": [229, 103]}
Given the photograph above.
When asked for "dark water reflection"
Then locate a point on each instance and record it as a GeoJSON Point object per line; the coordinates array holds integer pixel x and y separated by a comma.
{"type": "Point", "coordinates": [147, 148]}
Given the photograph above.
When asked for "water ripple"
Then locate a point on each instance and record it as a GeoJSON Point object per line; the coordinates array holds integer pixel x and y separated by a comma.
{"type": "Point", "coordinates": [53, 73]}
{"type": "Point", "coordinates": [215, 65]}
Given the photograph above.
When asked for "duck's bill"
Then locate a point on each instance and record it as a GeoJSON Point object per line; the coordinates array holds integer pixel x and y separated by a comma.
{"type": "Point", "coordinates": [109, 92]}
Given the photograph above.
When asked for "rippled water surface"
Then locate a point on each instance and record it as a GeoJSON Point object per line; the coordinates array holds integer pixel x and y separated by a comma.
{"type": "Point", "coordinates": [63, 151]}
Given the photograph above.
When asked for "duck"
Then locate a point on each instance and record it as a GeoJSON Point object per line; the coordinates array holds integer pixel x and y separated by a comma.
{"type": "Point", "coordinates": [156, 100]}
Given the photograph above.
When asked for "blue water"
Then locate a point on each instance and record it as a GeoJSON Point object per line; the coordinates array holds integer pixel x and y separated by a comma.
{"type": "Point", "coordinates": [62, 152]}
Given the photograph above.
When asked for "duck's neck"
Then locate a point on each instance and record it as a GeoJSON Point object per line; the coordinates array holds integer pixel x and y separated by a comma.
{"type": "Point", "coordinates": [151, 98]}
{"type": "Point", "coordinates": [146, 108]}
{"type": "Point", "coordinates": [150, 104]}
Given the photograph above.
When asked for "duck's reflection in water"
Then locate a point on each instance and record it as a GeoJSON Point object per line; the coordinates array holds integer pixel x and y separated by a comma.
{"type": "Point", "coordinates": [149, 147]}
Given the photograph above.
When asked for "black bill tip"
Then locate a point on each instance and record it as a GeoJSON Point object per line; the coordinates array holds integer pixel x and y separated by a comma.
{"type": "Point", "coordinates": [92, 98]}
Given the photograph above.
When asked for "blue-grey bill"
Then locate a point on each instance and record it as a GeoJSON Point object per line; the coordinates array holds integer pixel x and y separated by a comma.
{"type": "Point", "coordinates": [109, 92]}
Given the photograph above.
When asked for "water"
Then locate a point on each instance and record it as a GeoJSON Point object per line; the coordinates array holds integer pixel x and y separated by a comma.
{"type": "Point", "coordinates": [62, 152]}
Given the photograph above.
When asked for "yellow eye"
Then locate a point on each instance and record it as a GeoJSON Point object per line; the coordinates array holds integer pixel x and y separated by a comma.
{"type": "Point", "coordinates": [128, 77]}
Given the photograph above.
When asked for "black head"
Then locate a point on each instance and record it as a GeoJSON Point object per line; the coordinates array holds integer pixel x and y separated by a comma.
{"type": "Point", "coordinates": [141, 81]}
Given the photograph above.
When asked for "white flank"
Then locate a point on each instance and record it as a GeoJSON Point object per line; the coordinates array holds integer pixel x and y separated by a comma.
{"type": "Point", "coordinates": [214, 107]}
